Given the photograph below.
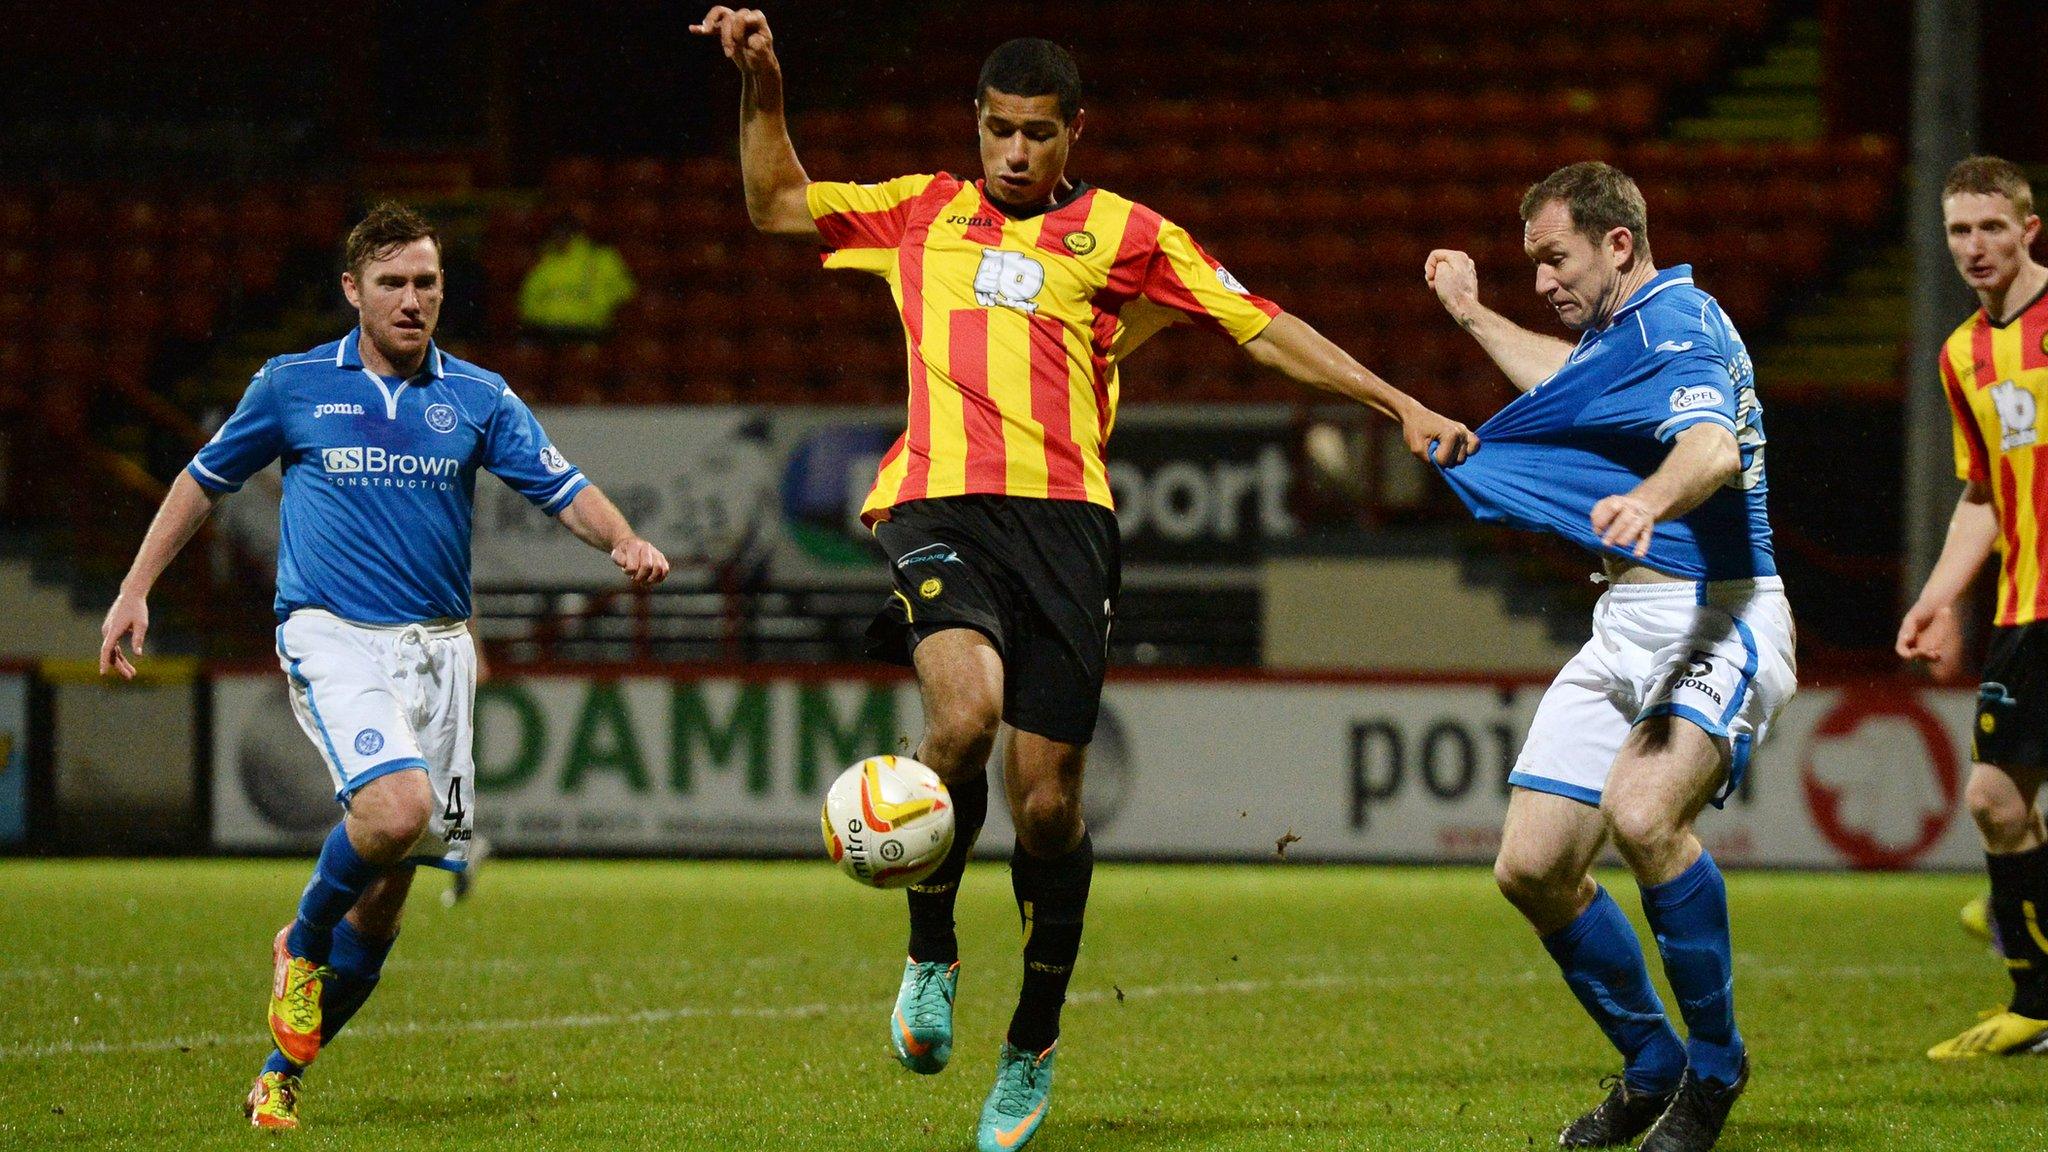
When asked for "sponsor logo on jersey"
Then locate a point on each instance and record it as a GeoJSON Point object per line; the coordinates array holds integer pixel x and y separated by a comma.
{"type": "Point", "coordinates": [440, 417]}
{"type": "Point", "coordinates": [1079, 243]}
{"type": "Point", "coordinates": [1674, 346]}
{"type": "Point", "coordinates": [1697, 396]}
{"type": "Point", "coordinates": [372, 460]}
{"type": "Point", "coordinates": [369, 742]}
{"type": "Point", "coordinates": [1224, 278]}
{"type": "Point", "coordinates": [368, 466]}
{"type": "Point", "coordinates": [320, 410]}
{"type": "Point", "coordinates": [973, 221]}
{"type": "Point", "coordinates": [2018, 415]}
{"type": "Point", "coordinates": [552, 459]}
{"type": "Point", "coordinates": [1008, 280]}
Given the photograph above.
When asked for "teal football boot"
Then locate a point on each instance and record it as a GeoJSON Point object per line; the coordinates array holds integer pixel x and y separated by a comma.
{"type": "Point", "coordinates": [921, 1028]}
{"type": "Point", "coordinates": [1016, 1105]}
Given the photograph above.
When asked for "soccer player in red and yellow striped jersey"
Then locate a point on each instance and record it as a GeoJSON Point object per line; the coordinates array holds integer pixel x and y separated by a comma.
{"type": "Point", "coordinates": [1019, 293]}
{"type": "Point", "coordinates": [1995, 371]}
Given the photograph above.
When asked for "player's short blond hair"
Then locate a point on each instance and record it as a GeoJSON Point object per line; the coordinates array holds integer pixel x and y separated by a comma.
{"type": "Point", "coordinates": [1600, 198]}
{"type": "Point", "coordinates": [389, 227]}
{"type": "Point", "coordinates": [1991, 176]}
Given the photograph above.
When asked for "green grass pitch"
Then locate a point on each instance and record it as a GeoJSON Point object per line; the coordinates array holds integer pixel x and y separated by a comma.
{"type": "Point", "coordinates": [645, 1005]}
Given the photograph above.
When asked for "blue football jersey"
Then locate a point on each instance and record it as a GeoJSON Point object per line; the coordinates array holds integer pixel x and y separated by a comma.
{"type": "Point", "coordinates": [380, 476]}
{"type": "Point", "coordinates": [1668, 360]}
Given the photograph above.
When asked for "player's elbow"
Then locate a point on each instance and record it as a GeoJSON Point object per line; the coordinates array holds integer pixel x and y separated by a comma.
{"type": "Point", "coordinates": [780, 212]}
{"type": "Point", "coordinates": [1727, 462]}
{"type": "Point", "coordinates": [1719, 457]}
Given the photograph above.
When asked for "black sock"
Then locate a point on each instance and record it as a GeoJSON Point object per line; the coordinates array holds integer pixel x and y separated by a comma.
{"type": "Point", "coordinates": [2019, 907]}
{"type": "Point", "coordinates": [931, 899]}
{"type": "Point", "coordinates": [1052, 895]}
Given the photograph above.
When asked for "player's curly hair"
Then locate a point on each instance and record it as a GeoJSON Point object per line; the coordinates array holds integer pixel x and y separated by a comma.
{"type": "Point", "coordinates": [1600, 198]}
{"type": "Point", "coordinates": [389, 227]}
{"type": "Point", "coordinates": [1028, 67]}
{"type": "Point", "coordinates": [1991, 176]}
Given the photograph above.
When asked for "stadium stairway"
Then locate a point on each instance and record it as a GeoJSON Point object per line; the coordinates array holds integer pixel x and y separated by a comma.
{"type": "Point", "coordinates": [40, 620]}
{"type": "Point", "coordinates": [1851, 338]}
{"type": "Point", "coordinates": [1777, 98]}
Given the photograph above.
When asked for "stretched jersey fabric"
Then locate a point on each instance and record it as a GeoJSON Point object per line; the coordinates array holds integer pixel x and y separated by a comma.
{"type": "Point", "coordinates": [380, 477]}
{"type": "Point", "coordinates": [1996, 377]}
{"type": "Point", "coordinates": [1669, 359]}
{"type": "Point", "coordinates": [1015, 325]}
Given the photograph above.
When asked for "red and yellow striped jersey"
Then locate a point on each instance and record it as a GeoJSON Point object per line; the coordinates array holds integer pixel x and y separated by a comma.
{"type": "Point", "coordinates": [1996, 377]}
{"type": "Point", "coordinates": [1015, 327]}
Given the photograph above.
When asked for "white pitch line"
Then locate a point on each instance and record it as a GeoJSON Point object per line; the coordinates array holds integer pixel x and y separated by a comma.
{"type": "Point", "coordinates": [584, 1020]}
{"type": "Point", "coordinates": [665, 1015]}
{"type": "Point", "coordinates": [54, 973]}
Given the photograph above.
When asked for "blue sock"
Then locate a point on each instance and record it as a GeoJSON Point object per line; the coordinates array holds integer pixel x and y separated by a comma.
{"type": "Point", "coordinates": [338, 880]}
{"type": "Point", "coordinates": [1689, 914]}
{"type": "Point", "coordinates": [1603, 962]}
{"type": "Point", "coordinates": [357, 961]}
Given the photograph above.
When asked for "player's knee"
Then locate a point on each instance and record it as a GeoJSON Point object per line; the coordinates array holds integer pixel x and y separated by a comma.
{"type": "Point", "coordinates": [1529, 882]}
{"type": "Point", "coordinates": [1642, 831]}
{"type": "Point", "coordinates": [2003, 816]}
{"type": "Point", "coordinates": [1049, 822]}
{"type": "Point", "coordinates": [958, 740]}
{"type": "Point", "coordinates": [389, 814]}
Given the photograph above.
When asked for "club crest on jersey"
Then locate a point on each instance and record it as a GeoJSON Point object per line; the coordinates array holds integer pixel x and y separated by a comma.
{"type": "Point", "coordinates": [1698, 396]}
{"type": "Point", "coordinates": [2018, 415]}
{"type": "Point", "coordinates": [1079, 243]}
{"type": "Point", "coordinates": [440, 417]}
{"type": "Point", "coordinates": [1008, 280]}
{"type": "Point", "coordinates": [320, 410]}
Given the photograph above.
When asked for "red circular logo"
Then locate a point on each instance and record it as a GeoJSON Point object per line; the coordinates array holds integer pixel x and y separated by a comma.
{"type": "Point", "coordinates": [1883, 799]}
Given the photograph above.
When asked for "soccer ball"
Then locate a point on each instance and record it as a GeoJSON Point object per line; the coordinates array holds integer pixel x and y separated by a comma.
{"type": "Point", "coordinates": [888, 821]}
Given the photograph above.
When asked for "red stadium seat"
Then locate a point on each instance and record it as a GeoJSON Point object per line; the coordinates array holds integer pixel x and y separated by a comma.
{"type": "Point", "coordinates": [17, 315]}
{"type": "Point", "coordinates": [527, 367]}
{"type": "Point", "coordinates": [193, 316]}
{"type": "Point", "coordinates": [74, 267]}
{"type": "Point", "coordinates": [199, 220]}
{"type": "Point", "coordinates": [574, 176]}
{"type": "Point", "coordinates": [259, 217]}
{"type": "Point", "coordinates": [321, 217]}
{"type": "Point", "coordinates": [643, 176]}
{"type": "Point", "coordinates": [138, 223]}
{"type": "Point", "coordinates": [17, 219]}
{"type": "Point", "coordinates": [135, 312]}
{"type": "Point", "coordinates": [72, 216]}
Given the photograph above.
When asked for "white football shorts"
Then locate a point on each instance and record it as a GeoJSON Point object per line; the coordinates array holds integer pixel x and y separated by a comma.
{"type": "Point", "coordinates": [377, 699]}
{"type": "Point", "coordinates": [1717, 654]}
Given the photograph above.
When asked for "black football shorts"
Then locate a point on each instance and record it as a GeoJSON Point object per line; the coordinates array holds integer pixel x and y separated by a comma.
{"type": "Point", "coordinates": [1038, 577]}
{"type": "Point", "coordinates": [2012, 702]}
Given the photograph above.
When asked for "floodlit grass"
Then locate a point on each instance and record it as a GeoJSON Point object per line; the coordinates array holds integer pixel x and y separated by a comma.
{"type": "Point", "coordinates": [643, 1005]}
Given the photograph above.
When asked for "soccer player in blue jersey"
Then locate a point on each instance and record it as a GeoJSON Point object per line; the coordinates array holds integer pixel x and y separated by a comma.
{"type": "Point", "coordinates": [381, 435]}
{"type": "Point", "coordinates": [1643, 442]}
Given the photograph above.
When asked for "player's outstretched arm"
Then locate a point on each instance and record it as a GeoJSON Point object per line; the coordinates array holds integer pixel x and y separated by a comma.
{"type": "Point", "coordinates": [1702, 459]}
{"type": "Point", "coordinates": [1288, 345]}
{"type": "Point", "coordinates": [775, 181]}
{"type": "Point", "coordinates": [597, 521]}
{"type": "Point", "coordinates": [1528, 358]}
{"type": "Point", "coordinates": [1929, 631]}
{"type": "Point", "coordinates": [184, 509]}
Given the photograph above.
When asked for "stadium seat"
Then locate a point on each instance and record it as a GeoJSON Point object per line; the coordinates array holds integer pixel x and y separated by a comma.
{"type": "Point", "coordinates": [17, 218]}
